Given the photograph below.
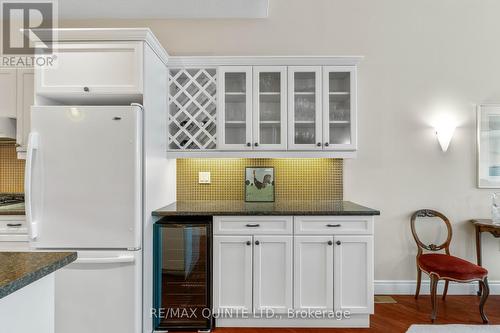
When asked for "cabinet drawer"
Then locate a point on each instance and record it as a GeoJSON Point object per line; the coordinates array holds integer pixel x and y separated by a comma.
{"type": "Point", "coordinates": [321, 225]}
{"type": "Point", "coordinates": [13, 225]}
{"type": "Point", "coordinates": [92, 69]}
{"type": "Point", "coordinates": [253, 225]}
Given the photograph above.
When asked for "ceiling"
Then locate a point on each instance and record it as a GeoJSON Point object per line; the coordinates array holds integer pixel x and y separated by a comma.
{"type": "Point", "coordinates": [158, 9]}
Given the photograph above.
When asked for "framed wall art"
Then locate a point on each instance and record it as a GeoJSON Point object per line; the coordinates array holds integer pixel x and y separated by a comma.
{"type": "Point", "coordinates": [259, 184]}
{"type": "Point", "coordinates": [488, 146]}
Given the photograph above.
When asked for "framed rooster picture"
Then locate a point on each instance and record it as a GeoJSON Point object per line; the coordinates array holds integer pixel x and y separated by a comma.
{"type": "Point", "coordinates": [259, 184]}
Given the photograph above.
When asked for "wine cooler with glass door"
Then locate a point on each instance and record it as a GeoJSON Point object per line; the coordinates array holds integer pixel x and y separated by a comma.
{"type": "Point", "coordinates": [182, 274]}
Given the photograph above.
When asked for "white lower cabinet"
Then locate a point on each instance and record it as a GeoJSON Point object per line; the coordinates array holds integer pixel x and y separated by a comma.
{"type": "Point", "coordinates": [232, 273]}
{"type": "Point", "coordinates": [253, 272]}
{"type": "Point", "coordinates": [272, 273]}
{"type": "Point", "coordinates": [353, 273]}
{"type": "Point", "coordinates": [313, 272]}
{"type": "Point", "coordinates": [315, 266]}
{"type": "Point", "coordinates": [13, 232]}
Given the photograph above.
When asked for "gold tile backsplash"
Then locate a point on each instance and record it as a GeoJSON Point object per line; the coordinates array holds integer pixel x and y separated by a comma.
{"type": "Point", "coordinates": [295, 179]}
{"type": "Point", "coordinates": [11, 169]}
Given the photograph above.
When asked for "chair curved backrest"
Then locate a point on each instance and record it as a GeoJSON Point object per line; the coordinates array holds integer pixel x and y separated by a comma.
{"type": "Point", "coordinates": [431, 247]}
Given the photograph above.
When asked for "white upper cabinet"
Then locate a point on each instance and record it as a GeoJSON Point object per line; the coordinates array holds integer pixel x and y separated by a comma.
{"type": "Point", "coordinates": [16, 99]}
{"type": "Point", "coordinates": [108, 70]}
{"type": "Point", "coordinates": [8, 92]}
{"type": "Point", "coordinates": [25, 99]}
{"type": "Point", "coordinates": [304, 108]}
{"type": "Point", "coordinates": [192, 108]}
{"type": "Point", "coordinates": [353, 275]}
{"type": "Point", "coordinates": [270, 107]}
{"type": "Point", "coordinates": [235, 108]}
{"type": "Point", "coordinates": [252, 116]}
{"type": "Point", "coordinates": [339, 108]}
{"type": "Point", "coordinates": [269, 103]}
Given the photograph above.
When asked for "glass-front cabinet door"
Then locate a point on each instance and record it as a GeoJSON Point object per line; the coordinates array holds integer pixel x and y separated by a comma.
{"type": "Point", "coordinates": [339, 108]}
{"type": "Point", "coordinates": [304, 107]}
{"type": "Point", "coordinates": [235, 108]}
{"type": "Point", "coordinates": [269, 104]}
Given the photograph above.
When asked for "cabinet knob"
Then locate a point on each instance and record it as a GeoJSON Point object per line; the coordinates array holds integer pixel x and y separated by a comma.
{"type": "Point", "coordinates": [249, 243]}
{"type": "Point", "coordinates": [256, 144]}
{"type": "Point", "coordinates": [326, 144]}
{"type": "Point", "coordinates": [86, 89]}
{"type": "Point", "coordinates": [330, 243]}
{"type": "Point", "coordinates": [318, 144]}
{"type": "Point", "coordinates": [338, 242]}
{"type": "Point", "coordinates": [257, 242]}
{"type": "Point", "coordinates": [249, 144]}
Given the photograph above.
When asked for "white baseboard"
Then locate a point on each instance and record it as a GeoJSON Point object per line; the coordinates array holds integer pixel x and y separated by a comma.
{"type": "Point", "coordinates": [407, 287]}
{"type": "Point", "coordinates": [355, 320]}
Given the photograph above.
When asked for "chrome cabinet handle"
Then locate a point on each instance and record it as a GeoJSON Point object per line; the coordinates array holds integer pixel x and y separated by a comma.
{"type": "Point", "coordinates": [249, 243]}
{"type": "Point", "coordinates": [253, 225]}
{"type": "Point", "coordinates": [333, 225]}
{"type": "Point", "coordinates": [330, 243]}
{"type": "Point", "coordinates": [14, 225]}
{"type": "Point", "coordinates": [338, 242]}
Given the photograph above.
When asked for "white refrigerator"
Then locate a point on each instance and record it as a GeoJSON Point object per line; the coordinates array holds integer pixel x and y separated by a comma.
{"type": "Point", "coordinates": [83, 189]}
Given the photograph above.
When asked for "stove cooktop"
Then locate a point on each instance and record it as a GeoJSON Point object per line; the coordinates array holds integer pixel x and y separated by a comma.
{"type": "Point", "coordinates": [10, 199]}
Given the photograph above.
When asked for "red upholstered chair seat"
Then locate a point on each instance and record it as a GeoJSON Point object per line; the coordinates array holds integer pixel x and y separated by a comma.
{"type": "Point", "coordinates": [447, 266]}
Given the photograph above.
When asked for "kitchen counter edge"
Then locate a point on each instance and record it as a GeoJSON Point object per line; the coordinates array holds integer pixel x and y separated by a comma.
{"type": "Point", "coordinates": [255, 209]}
{"type": "Point", "coordinates": [45, 264]}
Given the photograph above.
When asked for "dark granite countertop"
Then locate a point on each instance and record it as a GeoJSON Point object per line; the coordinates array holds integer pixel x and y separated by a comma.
{"type": "Point", "coordinates": [291, 207]}
{"type": "Point", "coordinates": [14, 209]}
{"type": "Point", "coordinates": [19, 269]}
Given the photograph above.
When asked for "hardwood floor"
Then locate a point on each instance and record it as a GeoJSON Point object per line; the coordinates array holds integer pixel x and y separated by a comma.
{"type": "Point", "coordinates": [395, 318]}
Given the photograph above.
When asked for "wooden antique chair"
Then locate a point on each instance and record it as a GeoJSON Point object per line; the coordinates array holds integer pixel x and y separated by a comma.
{"type": "Point", "coordinates": [445, 267]}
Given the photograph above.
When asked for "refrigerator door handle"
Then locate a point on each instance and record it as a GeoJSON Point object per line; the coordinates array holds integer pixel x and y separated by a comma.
{"type": "Point", "coordinates": [28, 180]}
{"type": "Point", "coordinates": [106, 260]}
{"type": "Point", "coordinates": [138, 105]}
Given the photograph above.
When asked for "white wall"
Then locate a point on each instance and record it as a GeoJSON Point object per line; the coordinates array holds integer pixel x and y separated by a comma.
{"type": "Point", "coordinates": [418, 55]}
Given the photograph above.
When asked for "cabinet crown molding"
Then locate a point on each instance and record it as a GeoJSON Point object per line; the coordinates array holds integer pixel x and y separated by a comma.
{"type": "Point", "coordinates": [106, 35]}
{"type": "Point", "coordinates": [208, 61]}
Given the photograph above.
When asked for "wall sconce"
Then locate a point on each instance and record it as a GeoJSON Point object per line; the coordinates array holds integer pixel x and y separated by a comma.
{"type": "Point", "coordinates": [444, 133]}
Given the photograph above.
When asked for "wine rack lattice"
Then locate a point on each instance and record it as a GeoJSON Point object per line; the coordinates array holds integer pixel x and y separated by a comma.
{"type": "Point", "coordinates": [192, 108]}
